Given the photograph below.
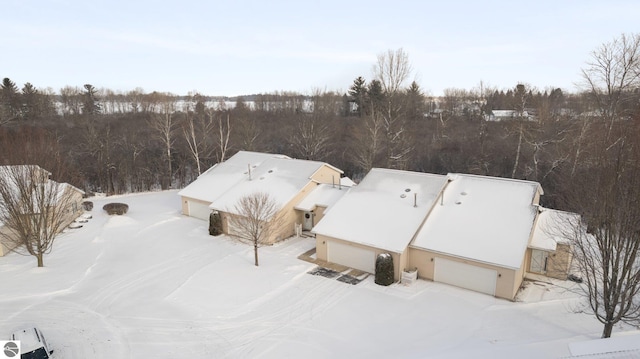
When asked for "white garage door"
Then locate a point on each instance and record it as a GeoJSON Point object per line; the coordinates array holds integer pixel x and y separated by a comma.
{"type": "Point", "coordinates": [351, 256]}
{"type": "Point", "coordinates": [199, 210]}
{"type": "Point", "coordinates": [465, 276]}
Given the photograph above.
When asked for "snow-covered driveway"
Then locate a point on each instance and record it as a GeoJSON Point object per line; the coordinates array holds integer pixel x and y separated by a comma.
{"type": "Point", "coordinates": [153, 283]}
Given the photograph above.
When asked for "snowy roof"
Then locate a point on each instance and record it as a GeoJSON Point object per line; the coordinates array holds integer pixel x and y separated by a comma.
{"type": "Point", "coordinates": [324, 195]}
{"type": "Point", "coordinates": [279, 176]}
{"type": "Point", "coordinates": [485, 219]}
{"type": "Point", "coordinates": [222, 176]}
{"type": "Point", "coordinates": [9, 169]}
{"type": "Point", "coordinates": [380, 211]}
{"type": "Point", "coordinates": [622, 346]}
{"type": "Point", "coordinates": [346, 181]}
{"type": "Point", "coordinates": [552, 227]}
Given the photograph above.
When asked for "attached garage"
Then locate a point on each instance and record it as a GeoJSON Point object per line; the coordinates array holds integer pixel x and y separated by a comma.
{"type": "Point", "coordinates": [351, 256]}
{"type": "Point", "coordinates": [466, 276]}
{"type": "Point", "coordinates": [198, 210]}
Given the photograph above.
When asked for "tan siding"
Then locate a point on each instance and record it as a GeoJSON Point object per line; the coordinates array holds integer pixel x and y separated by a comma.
{"type": "Point", "coordinates": [290, 217]}
{"type": "Point", "coordinates": [507, 284]}
{"type": "Point", "coordinates": [318, 214]}
{"type": "Point", "coordinates": [326, 174]}
{"type": "Point", "coordinates": [399, 259]}
{"type": "Point", "coordinates": [72, 210]}
{"type": "Point", "coordinates": [558, 262]}
{"type": "Point", "coordinates": [4, 247]}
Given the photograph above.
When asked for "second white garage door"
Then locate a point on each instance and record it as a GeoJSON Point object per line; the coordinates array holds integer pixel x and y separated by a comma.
{"type": "Point", "coordinates": [465, 276]}
{"type": "Point", "coordinates": [351, 256]}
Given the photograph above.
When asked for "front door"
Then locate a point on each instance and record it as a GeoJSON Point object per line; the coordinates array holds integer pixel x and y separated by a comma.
{"type": "Point", "coordinates": [538, 261]}
{"type": "Point", "coordinates": [307, 222]}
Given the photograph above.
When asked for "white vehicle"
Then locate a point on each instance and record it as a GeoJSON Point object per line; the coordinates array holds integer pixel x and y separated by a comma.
{"type": "Point", "coordinates": [32, 344]}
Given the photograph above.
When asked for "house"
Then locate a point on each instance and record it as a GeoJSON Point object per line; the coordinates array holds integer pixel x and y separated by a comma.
{"type": "Point", "coordinates": [549, 250]}
{"type": "Point", "coordinates": [475, 232]}
{"type": "Point", "coordinates": [379, 215]}
{"type": "Point", "coordinates": [506, 115]}
{"type": "Point", "coordinates": [63, 195]}
{"type": "Point", "coordinates": [287, 181]}
{"type": "Point", "coordinates": [477, 235]}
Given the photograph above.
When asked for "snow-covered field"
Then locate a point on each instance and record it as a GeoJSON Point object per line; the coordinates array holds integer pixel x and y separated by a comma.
{"type": "Point", "coordinates": [154, 284]}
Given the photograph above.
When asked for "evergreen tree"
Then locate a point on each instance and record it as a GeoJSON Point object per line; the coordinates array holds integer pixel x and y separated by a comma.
{"type": "Point", "coordinates": [9, 101]}
{"type": "Point", "coordinates": [415, 101]}
{"type": "Point", "coordinates": [30, 108]}
{"type": "Point", "coordinates": [90, 104]}
{"type": "Point", "coordinates": [358, 93]}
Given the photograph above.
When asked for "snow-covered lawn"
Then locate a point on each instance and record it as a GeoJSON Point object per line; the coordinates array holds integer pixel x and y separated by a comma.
{"type": "Point", "coordinates": [154, 284]}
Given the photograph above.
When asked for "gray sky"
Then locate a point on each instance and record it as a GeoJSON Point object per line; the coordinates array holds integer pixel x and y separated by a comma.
{"type": "Point", "coordinates": [243, 47]}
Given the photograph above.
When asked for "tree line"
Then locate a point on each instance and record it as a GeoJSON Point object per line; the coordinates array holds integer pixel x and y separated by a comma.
{"type": "Point", "coordinates": [137, 141]}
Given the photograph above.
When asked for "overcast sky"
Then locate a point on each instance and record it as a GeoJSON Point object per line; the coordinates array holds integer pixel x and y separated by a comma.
{"type": "Point", "coordinates": [243, 47]}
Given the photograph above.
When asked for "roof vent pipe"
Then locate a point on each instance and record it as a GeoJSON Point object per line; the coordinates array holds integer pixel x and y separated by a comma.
{"type": "Point", "coordinates": [415, 199]}
{"type": "Point", "coordinates": [333, 181]}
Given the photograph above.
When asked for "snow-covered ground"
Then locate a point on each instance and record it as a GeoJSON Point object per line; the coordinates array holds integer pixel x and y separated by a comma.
{"type": "Point", "coordinates": [154, 284]}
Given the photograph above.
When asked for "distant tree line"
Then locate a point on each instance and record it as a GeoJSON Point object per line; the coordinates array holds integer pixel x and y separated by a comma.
{"type": "Point", "coordinates": [137, 141]}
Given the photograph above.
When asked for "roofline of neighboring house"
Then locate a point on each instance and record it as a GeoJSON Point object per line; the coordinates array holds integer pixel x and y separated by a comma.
{"type": "Point", "coordinates": [285, 203]}
{"type": "Point", "coordinates": [454, 174]}
{"type": "Point", "coordinates": [38, 166]}
{"type": "Point", "coordinates": [330, 166]}
{"type": "Point", "coordinates": [74, 187]}
{"type": "Point", "coordinates": [539, 211]}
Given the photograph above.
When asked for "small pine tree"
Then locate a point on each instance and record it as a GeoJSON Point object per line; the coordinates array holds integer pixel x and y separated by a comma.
{"type": "Point", "coordinates": [215, 224]}
{"type": "Point", "coordinates": [384, 269]}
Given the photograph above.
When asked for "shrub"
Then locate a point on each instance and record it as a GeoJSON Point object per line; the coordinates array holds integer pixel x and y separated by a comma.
{"type": "Point", "coordinates": [215, 224]}
{"type": "Point", "coordinates": [87, 205]}
{"type": "Point", "coordinates": [384, 269]}
{"type": "Point", "coordinates": [116, 208]}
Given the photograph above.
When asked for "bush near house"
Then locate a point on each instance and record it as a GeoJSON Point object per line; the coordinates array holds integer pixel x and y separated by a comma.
{"type": "Point", "coordinates": [87, 205]}
{"type": "Point", "coordinates": [384, 269]}
{"type": "Point", "coordinates": [215, 224]}
{"type": "Point", "coordinates": [116, 208]}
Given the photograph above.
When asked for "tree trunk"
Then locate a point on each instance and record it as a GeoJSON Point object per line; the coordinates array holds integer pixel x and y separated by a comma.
{"type": "Point", "coordinates": [608, 328]}
{"type": "Point", "coordinates": [515, 165]}
{"type": "Point", "coordinates": [40, 261]}
{"type": "Point", "coordinates": [255, 253]}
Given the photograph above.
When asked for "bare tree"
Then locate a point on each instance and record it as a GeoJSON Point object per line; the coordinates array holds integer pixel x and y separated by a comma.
{"type": "Point", "coordinates": [612, 74]}
{"type": "Point", "coordinates": [368, 141]}
{"type": "Point", "coordinates": [164, 126]}
{"type": "Point", "coordinates": [311, 141]}
{"type": "Point", "coordinates": [197, 128]}
{"type": "Point", "coordinates": [520, 103]}
{"type": "Point", "coordinates": [248, 132]}
{"type": "Point", "coordinates": [607, 249]}
{"type": "Point", "coordinates": [33, 209]}
{"type": "Point", "coordinates": [255, 219]}
{"type": "Point", "coordinates": [224, 131]}
{"type": "Point", "coordinates": [392, 70]}
{"type": "Point", "coordinates": [71, 100]}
